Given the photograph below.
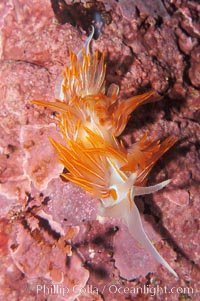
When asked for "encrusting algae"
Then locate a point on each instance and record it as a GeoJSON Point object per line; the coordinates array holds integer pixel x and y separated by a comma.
{"type": "Point", "coordinates": [90, 119]}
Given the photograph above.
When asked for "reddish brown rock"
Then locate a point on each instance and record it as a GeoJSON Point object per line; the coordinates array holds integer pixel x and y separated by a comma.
{"type": "Point", "coordinates": [194, 71]}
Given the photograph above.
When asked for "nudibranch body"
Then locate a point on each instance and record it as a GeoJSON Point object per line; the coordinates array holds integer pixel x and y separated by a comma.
{"type": "Point", "coordinates": [90, 119]}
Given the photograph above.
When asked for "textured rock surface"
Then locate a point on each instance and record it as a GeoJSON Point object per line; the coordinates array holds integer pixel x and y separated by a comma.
{"type": "Point", "coordinates": [145, 46]}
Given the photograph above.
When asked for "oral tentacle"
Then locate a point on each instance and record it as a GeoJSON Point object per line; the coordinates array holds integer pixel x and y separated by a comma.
{"type": "Point", "coordinates": [150, 189]}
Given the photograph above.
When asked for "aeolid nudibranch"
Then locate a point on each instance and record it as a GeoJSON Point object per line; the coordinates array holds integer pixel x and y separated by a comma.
{"type": "Point", "coordinates": [90, 118]}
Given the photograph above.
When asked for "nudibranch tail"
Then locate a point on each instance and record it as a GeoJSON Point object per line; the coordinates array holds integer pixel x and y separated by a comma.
{"type": "Point", "coordinates": [131, 218]}
{"type": "Point", "coordinates": [134, 224]}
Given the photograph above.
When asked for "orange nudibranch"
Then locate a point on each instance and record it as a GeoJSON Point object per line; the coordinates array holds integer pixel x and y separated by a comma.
{"type": "Point", "coordinates": [90, 119]}
{"type": "Point", "coordinates": [84, 102]}
{"type": "Point", "coordinates": [88, 163]}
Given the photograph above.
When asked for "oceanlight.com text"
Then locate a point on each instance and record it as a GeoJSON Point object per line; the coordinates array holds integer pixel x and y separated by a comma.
{"type": "Point", "coordinates": [148, 290]}
{"type": "Point", "coordinates": [113, 289]}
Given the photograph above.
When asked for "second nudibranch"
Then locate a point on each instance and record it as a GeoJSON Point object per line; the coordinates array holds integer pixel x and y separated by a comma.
{"type": "Point", "coordinates": [90, 119]}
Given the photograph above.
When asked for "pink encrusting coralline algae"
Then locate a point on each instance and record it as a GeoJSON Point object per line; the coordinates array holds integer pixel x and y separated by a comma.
{"type": "Point", "coordinates": [90, 119]}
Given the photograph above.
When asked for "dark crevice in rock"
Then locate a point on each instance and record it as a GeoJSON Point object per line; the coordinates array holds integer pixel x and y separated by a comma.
{"type": "Point", "coordinates": [82, 15]}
